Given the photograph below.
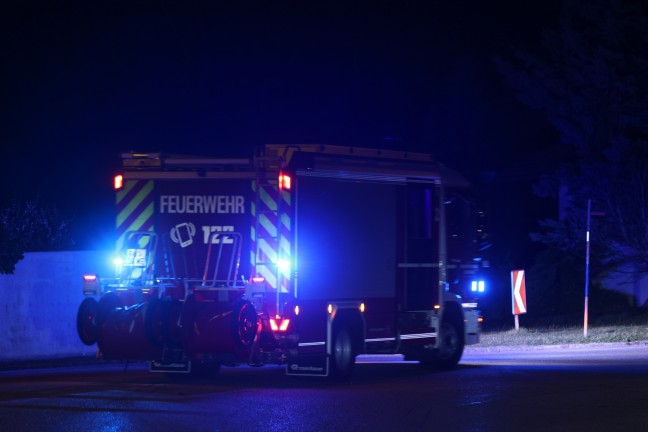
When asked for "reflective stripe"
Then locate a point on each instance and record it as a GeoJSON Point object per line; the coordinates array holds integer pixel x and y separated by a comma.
{"type": "Point", "coordinates": [436, 265]}
{"type": "Point", "coordinates": [135, 208]}
{"type": "Point", "coordinates": [392, 339]}
{"type": "Point", "coordinates": [264, 246]}
{"type": "Point", "coordinates": [381, 340]}
{"type": "Point", "coordinates": [268, 225]}
{"type": "Point", "coordinates": [270, 235]}
{"type": "Point", "coordinates": [418, 336]}
{"type": "Point", "coordinates": [404, 337]}
{"type": "Point", "coordinates": [266, 199]}
{"type": "Point", "coordinates": [305, 344]}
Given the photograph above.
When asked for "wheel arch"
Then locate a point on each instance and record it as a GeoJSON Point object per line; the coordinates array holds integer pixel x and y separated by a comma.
{"type": "Point", "coordinates": [453, 312]}
{"type": "Point", "coordinates": [353, 320]}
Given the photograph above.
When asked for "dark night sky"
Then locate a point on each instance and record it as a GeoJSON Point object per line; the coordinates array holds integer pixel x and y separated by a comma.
{"type": "Point", "coordinates": [87, 80]}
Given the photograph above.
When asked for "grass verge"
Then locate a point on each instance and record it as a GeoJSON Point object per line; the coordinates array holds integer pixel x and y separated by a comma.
{"type": "Point", "coordinates": [607, 329]}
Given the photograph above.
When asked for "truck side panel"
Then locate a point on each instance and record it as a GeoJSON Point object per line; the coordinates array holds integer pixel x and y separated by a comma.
{"type": "Point", "coordinates": [374, 242]}
{"type": "Point", "coordinates": [346, 239]}
{"type": "Point", "coordinates": [419, 258]}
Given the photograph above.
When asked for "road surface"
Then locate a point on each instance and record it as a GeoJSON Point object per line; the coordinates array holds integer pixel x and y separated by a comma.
{"type": "Point", "coordinates": [595, 388]}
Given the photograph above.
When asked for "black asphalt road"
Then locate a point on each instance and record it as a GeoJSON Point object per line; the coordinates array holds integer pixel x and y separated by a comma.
{"type": "Point", "coordinates": [592, 388]}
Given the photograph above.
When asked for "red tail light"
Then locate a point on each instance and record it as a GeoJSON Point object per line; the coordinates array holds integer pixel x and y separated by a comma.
{"type": "Point", "coordinates": [284, 181]}
{"type": "Point", "coordinates": [279, 324]}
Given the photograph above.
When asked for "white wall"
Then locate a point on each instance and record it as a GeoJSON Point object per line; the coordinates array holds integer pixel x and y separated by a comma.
{"type": "Point", "coordinates": [39, 302]}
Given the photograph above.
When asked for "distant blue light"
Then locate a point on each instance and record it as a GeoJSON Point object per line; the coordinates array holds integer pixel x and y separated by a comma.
{"type": "Point", "coordinates": [478, 286]}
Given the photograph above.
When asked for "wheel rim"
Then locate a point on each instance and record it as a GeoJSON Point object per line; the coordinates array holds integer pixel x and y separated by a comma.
{"type": "Point", "coordinates": [247, 325]}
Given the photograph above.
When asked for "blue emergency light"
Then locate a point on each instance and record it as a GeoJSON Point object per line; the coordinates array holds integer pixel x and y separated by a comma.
{"type": "Point", "coordinates": [478, 286]}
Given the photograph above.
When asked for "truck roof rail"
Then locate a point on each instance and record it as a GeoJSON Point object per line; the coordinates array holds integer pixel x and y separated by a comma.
{"type": "Point", "coordinates": [158, 160]}
{"type": "Point", "coordinates": [286, 151]}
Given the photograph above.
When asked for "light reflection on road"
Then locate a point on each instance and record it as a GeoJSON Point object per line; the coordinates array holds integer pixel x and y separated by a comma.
{"type": "Point", "coordinates": [566, 355]}
{"type": "Point", "coordinates": [501, 389]}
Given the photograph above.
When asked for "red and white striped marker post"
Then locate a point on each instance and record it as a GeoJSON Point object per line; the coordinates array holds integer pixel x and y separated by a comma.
{"type": "Point", "coordinates": [518, 295]}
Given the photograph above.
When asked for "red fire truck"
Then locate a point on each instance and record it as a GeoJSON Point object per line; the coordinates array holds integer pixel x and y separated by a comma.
{"type": "Point", "coordinates": [304, 256]}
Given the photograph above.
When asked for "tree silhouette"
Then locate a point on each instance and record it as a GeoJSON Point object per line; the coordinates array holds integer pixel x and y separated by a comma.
{"type": "Point", "coordinates": [30, 226]}
{"type": "Point", "coordinates": [591, 82]}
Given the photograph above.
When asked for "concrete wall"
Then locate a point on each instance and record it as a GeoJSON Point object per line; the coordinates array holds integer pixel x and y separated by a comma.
{"type": "Point", "coordinates": [38, 304]}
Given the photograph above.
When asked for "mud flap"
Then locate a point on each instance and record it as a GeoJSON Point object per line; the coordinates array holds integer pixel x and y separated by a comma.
{"type": "Point", "coordinates": [308, 365]}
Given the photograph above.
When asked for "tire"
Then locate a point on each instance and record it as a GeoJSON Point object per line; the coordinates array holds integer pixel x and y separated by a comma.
{"type": "Point", "coordinates": [450, 349]}
{"type": "Point", "coordinates": [87, 327]}
{"type": "Point", "coordinates": [343, 354]}
{"type": "Point", "coordinates": [246, 323]}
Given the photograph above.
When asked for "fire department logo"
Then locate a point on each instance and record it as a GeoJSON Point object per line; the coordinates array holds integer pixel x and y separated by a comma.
{"type": "Point", "coordinates": [183, 234]}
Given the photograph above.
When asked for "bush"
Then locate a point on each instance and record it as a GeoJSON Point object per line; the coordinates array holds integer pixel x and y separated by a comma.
{"type": "Point", "coordinates": [30, 226]}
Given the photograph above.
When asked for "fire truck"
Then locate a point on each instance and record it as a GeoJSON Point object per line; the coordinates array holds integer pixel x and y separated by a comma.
{"type": "Point", "coordinates": [304, 256]}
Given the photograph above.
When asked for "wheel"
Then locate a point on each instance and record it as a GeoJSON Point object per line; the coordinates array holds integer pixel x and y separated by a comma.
{"type": "Point", "coordinates": [451, 346]}
{"type": "Point", "coordinates": [245, 324]}
{"type": "Point", "coordinates": [343, 354]}
{"type": "Point", "coordinates": [86, 321]}
{"type": "Point", "coordinates": [450, 350]}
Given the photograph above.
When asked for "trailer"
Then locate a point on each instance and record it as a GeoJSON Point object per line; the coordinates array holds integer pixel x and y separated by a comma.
{"type": "Point", "coordinates": [303, 255]}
